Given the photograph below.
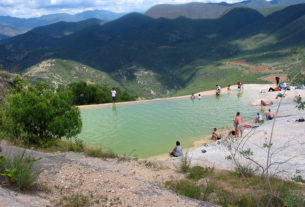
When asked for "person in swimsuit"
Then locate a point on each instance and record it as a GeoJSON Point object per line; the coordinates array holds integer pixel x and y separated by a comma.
{"type": "Point", "coordinates": [216, 135]}
{"type": "Point", "coordinates": [238, 125]}
{"type": "Point", "coordinates": [193, 96]}
{"type": "Point", "coordinates": [231, 132]}
{"type": "Point", "coordinates": [263, 103]}
{"type": "Point", "coordinates": [270, 115]}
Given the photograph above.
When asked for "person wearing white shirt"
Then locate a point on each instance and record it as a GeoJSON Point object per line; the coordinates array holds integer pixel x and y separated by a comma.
{"type": "Point", "coordinates": [113, 94]}
{"type": "Point", "coordinates": [258, 118]}
{"type": "Point", "coordinates": [177, 151]}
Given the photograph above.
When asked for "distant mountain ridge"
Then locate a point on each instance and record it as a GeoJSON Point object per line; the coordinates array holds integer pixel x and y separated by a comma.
{"type": "Point", "coordinates": [15, 26]}
{"type": "Point", "coordinates": [136, 49]}
{"type": "Point", "coordinates": [213, 10]}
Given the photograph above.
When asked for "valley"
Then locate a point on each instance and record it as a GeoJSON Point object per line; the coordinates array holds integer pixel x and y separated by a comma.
{"type": "Point", "coordinates": [165, 57]}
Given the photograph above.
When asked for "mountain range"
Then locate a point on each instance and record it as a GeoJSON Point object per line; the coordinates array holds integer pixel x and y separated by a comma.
{"type": "Point", "coordinates": [197, 10]}
{"type": "Point", "coordinates": [11, 26]}
{"type": "Point", "coordinates": [135, 49]}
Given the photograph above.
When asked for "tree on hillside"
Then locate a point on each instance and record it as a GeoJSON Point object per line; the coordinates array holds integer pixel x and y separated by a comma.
{"type": "Point", "coordinates": [83, 93]}
{"type": "Point", "coordinates": [37, 114]}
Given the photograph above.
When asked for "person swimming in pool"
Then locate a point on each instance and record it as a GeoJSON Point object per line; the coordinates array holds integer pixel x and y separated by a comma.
{"type": "Point", "coordinates": [270, 115]}
{"type": "Point", "coordinates": [193, 96]}
{"type": "Point", "coordinates": [177, 151]}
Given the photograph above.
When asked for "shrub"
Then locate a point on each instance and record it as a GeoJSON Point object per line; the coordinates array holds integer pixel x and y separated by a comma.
{"type": "Point", "coordinates": [298, 178]}
{"type": "Point", "coordinates": [39, 114]}
{"type": "Point", "coordinates": [243, 171]}
{"type": "Point", "coordinates": [185, 163]}
{"type": "Point", "coordinates": [20, 171]}
{"type": "Point", "coordinates": [77, 146]}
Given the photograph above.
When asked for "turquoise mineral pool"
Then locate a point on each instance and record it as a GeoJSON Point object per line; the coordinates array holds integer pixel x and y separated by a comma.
{"type": "Point", "coordinates": [152, 128]}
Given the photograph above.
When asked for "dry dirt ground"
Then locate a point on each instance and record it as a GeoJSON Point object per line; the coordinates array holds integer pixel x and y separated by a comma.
{"type": "Point", "coordinates": [98, 182]}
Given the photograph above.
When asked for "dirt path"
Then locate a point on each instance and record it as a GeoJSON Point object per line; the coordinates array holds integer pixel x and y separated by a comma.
{"type": "Point", "coordinates": [100, 182]}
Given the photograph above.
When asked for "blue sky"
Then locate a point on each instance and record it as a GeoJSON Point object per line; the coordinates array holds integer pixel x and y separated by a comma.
{"type": "Point", "coordinates": [34, 8]}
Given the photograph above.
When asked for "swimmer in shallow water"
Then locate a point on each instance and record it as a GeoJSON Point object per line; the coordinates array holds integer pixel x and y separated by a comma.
{"type": "Point", "coordinates": [193, 96]}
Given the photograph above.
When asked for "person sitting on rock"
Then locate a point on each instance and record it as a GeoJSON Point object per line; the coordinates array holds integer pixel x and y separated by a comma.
{"type": "Point", "coordinates": [216, 135]}
{"type": "Point", "coordinates": [270, 115]}
{"type": "Point", "coordinates": [258, 118]}
{"type": "Point", "coordinates": [231, 133]}
{"type": "Point", "coordinates": [177, 151]}
{"type": "Point", "coordinates": [263, 103]}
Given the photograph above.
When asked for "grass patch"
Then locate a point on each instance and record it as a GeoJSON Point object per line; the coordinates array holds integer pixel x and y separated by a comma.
{"type": "Point", "coordinates": [225, 188]}
{"type": "Point", "coordinates": [186, 188]}
{"type": "Point", "coordinates": [197, 172]}
{"type": "Point", "coordinates": [77, 200]}
{"type": "Point", "coordinates": [97, 152]}
{"type": "Point", "coordinates": [19, 171]}
{"type": "Point", "coordinates": [243, 171]}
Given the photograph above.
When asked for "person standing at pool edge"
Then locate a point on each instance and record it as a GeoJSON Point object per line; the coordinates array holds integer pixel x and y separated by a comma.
{"type": "Point", "coordinates": [238, 125]}
{"type": "Point", "coordinates": [218, 90]}
{"type": "Point", "coordinates": [239, 85]}
{"type": "Point", "coordinates": [113, 94]}
{"type": "Point", "coordinates": [277, 79]}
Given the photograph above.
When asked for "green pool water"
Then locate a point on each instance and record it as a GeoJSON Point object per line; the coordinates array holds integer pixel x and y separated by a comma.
{"type": "Point", "coordinates": [152, 128]}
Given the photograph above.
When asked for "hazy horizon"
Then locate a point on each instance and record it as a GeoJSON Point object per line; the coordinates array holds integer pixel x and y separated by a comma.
{"type": "Point", "coordinates": [36, 8]}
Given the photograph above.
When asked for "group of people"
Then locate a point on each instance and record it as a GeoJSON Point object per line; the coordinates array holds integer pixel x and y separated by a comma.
{"type": "Point", "coordinates": [237, 122]}
{"type": "Point", "coordinates": [237, 131]}
{"type": "Point", "coordinates": [193, 97]}
{"type": "Point", "coordinates": [218, 90]}
{"type": "Point", "coordinates": [239, 125]}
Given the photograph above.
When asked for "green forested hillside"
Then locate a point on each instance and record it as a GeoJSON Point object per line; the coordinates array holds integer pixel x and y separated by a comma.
{"type": "Point", "coordinates": [161, 57]}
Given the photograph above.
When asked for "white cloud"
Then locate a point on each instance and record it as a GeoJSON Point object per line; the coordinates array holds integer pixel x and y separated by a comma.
{"type": "Point", "coordinates": [31, 8]}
